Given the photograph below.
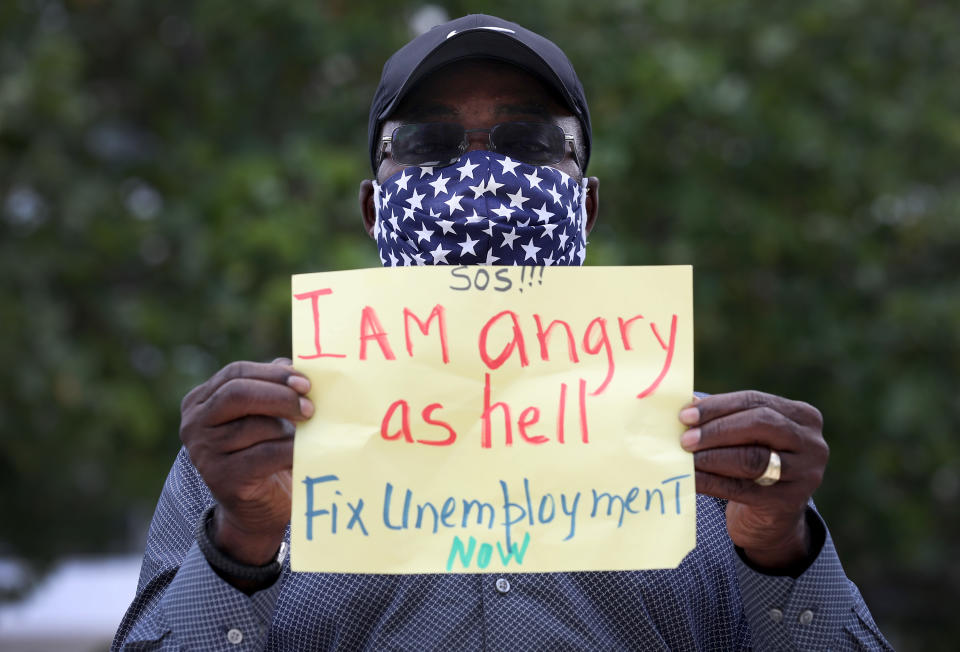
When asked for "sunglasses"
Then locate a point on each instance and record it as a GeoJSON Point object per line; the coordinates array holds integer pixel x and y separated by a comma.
{"type": "Point", "coordinates": [442, 143]}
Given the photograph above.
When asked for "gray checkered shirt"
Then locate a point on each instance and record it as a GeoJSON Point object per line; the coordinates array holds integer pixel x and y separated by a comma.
{"type": "Point", "coordinates": [712, 601]}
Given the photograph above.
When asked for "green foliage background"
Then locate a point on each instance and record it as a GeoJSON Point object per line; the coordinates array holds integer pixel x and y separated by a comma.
{"type": "Point", "coordinates": [164, 168]}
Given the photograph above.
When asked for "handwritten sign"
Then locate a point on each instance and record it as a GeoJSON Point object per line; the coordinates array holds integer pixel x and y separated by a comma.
{"type": "Point", "coordinates": [482, 419]}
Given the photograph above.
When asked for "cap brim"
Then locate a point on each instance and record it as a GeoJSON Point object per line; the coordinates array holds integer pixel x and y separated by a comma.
{"type": "Point", "coordinates": [483, 43]}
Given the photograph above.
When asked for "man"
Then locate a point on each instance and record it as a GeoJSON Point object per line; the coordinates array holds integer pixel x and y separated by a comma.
{"type": "Point", "coordinates": [481, 98]}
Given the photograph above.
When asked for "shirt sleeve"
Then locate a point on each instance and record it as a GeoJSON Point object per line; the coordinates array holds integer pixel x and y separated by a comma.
{"type": "Point", "coordinates": [181, 603]}
{"type": "Point", "coordinates": [821, 609]}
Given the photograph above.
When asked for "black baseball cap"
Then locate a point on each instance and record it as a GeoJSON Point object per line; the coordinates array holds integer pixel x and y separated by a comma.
{"type": "Point", "coordinates": [469, 37]}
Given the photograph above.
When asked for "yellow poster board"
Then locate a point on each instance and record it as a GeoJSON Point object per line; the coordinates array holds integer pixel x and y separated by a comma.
{"type": "Point", "coordinates": [493, 419]}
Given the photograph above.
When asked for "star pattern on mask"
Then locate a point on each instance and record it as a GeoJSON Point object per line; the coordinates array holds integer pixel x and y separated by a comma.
{"type": "Point", "coordinates": [485, 209]}
{"type": "Point", "coordinates": [493, 186]}
{"type": "Point", "coordinates": [424, 234]}
{"type": "Point", "coordinates": [479, 190]}
{"type": "Point", "coordinates": [439, 254]}
{"type": "Point", "coordinates": [508, 238]}
{"type": "Point", "coordinates": [554, 194]}
{"type": "Point", "coordinates": [530, 251]}
{"type": "Point", "coordinates": [534, 180]}
{"type": "Point", "coordinates": [446, 225]}
{"type": "Point", "coordinates": [517, 199]}
{"type": "Point", "coordinates": [509, 165]}
{"type": "Point", "coordinates": [439, 185]}
{"type": "Point", "coordinates": [543, 215]}
{"type": "Point", "coordinates": [454, 203]}
{"type": "Point", "coordinates": [466, 170]}
{"type": "Point", "coordinates": [467, 246]}
{"type": "Point", "coordinates": [416, 199]}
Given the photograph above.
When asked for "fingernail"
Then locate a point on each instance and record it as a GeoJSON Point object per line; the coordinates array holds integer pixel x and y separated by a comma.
{"type": "Point", "coordinates": [299, 383]}
{"type": "Point", "coordinates": [306, 407]}
{"type": "Point", "coordinates": [690, 438]}
{"type": "Point", "coordinates": [690, 416]}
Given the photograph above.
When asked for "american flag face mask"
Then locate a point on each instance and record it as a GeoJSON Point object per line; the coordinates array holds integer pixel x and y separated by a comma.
{"type": "Point", "coordinates": [485, 209]}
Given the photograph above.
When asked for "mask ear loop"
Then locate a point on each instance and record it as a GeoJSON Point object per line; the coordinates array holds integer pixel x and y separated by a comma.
{"type": "Point", "coordinates": [376, 208]}
{"type": "Point", "coordinates": [584, 190]}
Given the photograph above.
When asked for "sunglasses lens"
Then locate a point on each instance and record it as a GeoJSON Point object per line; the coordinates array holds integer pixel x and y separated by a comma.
{"type": "Point", "coordinates": [531, 142]}
{"type": "Point", "coordinates": [441, 143]}
{"type": "Point", "coordinates": [432, 143]}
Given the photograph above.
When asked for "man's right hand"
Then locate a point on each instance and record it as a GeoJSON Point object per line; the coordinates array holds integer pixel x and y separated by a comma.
{"type": "Point", "coordinates": [238, 428]}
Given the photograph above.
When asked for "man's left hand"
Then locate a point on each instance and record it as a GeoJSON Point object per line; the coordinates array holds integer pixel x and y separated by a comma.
{"type": "Point", "coordinates": [731, 436]}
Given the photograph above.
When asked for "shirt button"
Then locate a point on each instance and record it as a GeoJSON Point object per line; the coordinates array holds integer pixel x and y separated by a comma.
{"type": "Point", "coordinates": [775, 615]}
{"type": "Point", "coordinates": [806, 617]}
{"type": "Point", "coordinates": [235, 636]}
{"type": "Point", "coordinates": [503, 585]}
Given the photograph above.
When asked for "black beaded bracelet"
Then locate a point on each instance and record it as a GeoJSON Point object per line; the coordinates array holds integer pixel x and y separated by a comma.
{"type": "Point", "coordinates": [226, 565]}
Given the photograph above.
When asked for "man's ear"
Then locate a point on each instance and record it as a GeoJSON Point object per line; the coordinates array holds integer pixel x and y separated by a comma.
{"type": "Point", "coordinates": [368, 212]}
{"type": "Point", "coordinates": [593, 201]}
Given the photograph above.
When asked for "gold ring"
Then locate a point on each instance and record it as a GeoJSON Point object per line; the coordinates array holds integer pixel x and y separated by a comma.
{"type": "Point", "coordinates": [772, 474]}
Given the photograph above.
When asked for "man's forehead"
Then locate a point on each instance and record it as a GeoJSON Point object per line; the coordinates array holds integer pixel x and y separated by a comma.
{"type": "Point", "coordinates": [428, 108]}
